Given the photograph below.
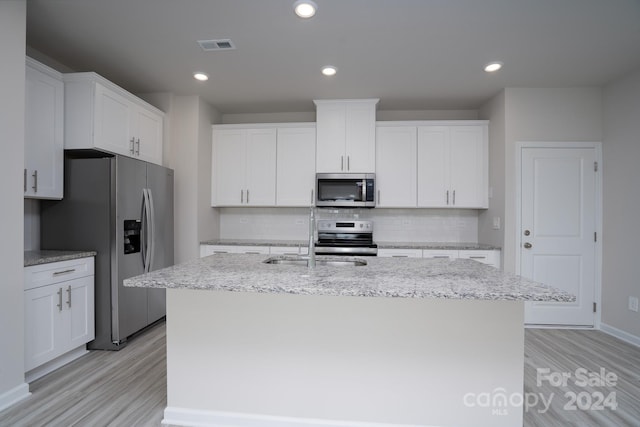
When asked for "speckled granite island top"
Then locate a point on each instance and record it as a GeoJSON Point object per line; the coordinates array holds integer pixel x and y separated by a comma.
{"type": "Point", "coordinates": [381, 277]}
{"type": "Point", "coordinates": [48, 256]}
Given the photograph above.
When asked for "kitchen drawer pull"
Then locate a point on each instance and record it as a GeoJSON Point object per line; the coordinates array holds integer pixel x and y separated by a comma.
{"type": "Point", "coordinates": [69, 296]}
{"type": "Point", "coordinates": [35, 181]}
{"type": "Point", "coordinates": [399, 256]}
{"type": "Point", "coordinates": [57, 273]}
{"type": "Point", "coordinates": [442, 256]}
{"type": "Point", "coordinates": [59, 299]}
{"type": "Point", "coordinates": [478, 257]}
{"type": "Point", "coordinates": [220, 252]}
{"type": "Point", "coordinates": [252, 253]}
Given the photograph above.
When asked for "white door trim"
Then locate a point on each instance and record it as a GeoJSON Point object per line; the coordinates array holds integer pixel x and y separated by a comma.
{"type": "Point", "coordinates": [597, 146]}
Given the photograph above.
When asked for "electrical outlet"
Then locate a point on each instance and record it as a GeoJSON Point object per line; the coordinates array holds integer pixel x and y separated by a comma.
{"type": "Point", "coordinates": [496, 223]}
{"type": "Point", "coordinates": [633, 303]}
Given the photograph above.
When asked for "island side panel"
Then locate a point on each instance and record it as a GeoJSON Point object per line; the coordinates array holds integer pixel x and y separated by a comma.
{"type": "Point", "coordinates": [353, 359]}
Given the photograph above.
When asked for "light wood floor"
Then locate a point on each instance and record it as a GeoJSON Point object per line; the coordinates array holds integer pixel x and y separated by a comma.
{"type": "Point", "coordinates": [128, 387]}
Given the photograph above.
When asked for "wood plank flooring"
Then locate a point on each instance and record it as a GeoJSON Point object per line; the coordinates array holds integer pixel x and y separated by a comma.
{"type": "Point", "coordinates": [128, 387]}
{"type": "Point", "coordinates": [103, 388]}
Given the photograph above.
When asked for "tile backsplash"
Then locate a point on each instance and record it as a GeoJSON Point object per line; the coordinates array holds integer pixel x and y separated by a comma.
{"type": "Point", "coordinates": [390, 225]}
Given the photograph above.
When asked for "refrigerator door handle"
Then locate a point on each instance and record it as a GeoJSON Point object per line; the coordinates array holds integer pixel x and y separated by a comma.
{"type": "Point", "coordinates": [152, 228]}
{"type": "Point", "coordinates": [143, 230]}
{"type": "Point", "coordinates": [144, 243]}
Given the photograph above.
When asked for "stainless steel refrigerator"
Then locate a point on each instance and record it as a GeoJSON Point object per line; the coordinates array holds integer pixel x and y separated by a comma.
{"type": "Point", "coordinates": [123, 209]}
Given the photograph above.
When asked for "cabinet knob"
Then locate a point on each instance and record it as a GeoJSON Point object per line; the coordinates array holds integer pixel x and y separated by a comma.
{"type": "Point", "coordinates": [528, 245]}
{"type": "Point", "coordinates": [527, 232]}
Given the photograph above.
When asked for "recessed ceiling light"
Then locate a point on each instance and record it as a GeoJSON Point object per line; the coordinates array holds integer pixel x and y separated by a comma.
{"type": "Point", "coordinates": [305, 8]}
{"type": "Point", "coordinates": [203, 77]}
{"type": "Point", "coordinates": [329, 70]}
{"type": "Point", "coordinates": [493, 66]}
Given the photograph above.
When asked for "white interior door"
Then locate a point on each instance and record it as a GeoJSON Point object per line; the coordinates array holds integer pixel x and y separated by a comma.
{"type": "Point", "coordinates": [558, 225]}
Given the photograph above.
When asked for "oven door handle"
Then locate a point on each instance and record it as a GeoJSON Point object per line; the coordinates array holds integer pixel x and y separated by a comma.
{"type": "Point", "coordinates": [364, 190]}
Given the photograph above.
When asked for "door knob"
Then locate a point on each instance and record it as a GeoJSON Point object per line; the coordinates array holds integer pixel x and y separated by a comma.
{"type": "Point", "coordinates": [528, 245]}
{"type": "Point", "coordinates": [527, 232]}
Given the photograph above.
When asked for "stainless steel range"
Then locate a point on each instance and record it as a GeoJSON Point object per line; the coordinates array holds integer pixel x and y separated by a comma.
{"type": "Point", "coordinates": [337, 237]}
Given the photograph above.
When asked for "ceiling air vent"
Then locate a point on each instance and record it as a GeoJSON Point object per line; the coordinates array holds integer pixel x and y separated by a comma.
{"type": "Point", "coordinates": [220, 44]}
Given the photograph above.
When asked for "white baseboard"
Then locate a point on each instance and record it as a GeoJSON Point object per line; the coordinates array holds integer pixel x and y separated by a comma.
{"type": "Point", "coordinates": [56, 363]}
{"type": "Point", "coordinates": [174, 416]}
{"type": "Point", "coordinates": [14, 395]}
{"type": "Point", "coordinates": [619, 333]}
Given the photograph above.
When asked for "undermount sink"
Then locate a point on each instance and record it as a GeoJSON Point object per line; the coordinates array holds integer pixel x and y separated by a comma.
{"type": "Point", "coordinates": [320, 261]}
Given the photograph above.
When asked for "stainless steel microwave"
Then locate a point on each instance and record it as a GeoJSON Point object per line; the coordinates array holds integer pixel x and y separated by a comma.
{"type": "Point", "coordinates": [352, 190]}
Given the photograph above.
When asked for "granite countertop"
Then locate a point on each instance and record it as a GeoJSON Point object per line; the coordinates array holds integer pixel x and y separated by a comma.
{"type": "Point", "coordinates": [255, 242]}
{"type": "Point", "coordinates": [47, 256]}
{"type": "Point", "coordinates": [381, 245]}
{"type": "Point", "coordinates": [437, 245]}
{"type": "Point", "coordinates": [382, 277]}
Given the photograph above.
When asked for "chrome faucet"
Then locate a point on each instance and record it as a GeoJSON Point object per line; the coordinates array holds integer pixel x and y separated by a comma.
{"type": "Point", "coordinates": [311, 263]}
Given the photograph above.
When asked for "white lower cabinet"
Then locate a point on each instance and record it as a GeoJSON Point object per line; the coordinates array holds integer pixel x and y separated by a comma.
{"type": "Point", "coordinates": [440, 253]}
{"type": "Point", "coordinates": [59, 312]}
{"type": "Point", "coordinates": [206, 250]}
{"type": "Point", "coordinates": [489, 257]}
{"type": "Point", "coordinates": [400, 253]}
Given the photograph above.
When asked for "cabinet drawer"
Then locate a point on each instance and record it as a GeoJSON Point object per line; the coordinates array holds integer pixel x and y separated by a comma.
{"type": "Point", "coordinates": [284, 250]}
{"type": "Point", "coordinates": [489, 257]}
{"type": "Point", "coordinates": [206, 250]}
{"type": "Point", "coordinates": [46, 274]}
{"type": "Point", "coordinates": [440, 253]}
{"type": "Point", "coordinates": [400, 253]}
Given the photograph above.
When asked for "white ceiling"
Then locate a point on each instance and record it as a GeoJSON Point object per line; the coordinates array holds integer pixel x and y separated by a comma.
{"type": "Point", "coordinates": [412, 54]}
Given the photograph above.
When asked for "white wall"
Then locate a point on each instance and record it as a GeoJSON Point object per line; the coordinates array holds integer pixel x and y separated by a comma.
{"type": "Point", "coordinates": [621, 234]}
{"type": "Point", "coordinates": [381, 115]}
{"type": "Point", "coordinates": [12, 98]}
{"type": "Point", "coordinates": [190, 158]}
{"type": "Point", "coordinates": [543, 114]}
{"type": "Point", "coordinates": [494, 111]}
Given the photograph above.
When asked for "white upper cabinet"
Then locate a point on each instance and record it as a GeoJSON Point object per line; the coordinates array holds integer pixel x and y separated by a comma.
{"type": "Point", "coordinates": [296, 166]}
{"type": "Point", "coordinates": [453, 167]}
{"type": "Point", "coordinates": [346, 136]}
{"type": "Point", "coordinates": [396, 167]}
{"type": "Point", "coordinates": [101, 115]}
{"type": "Point", "coordinates": [44, 132]}
{"type": "Point", "coordinates": [244, 167]}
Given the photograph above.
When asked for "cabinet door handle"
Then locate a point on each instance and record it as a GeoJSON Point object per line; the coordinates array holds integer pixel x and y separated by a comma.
{"type": "Point", "coordinates": [341, 163]}
{"type": "Point", "coordinates": [57, 273]}
{"type": "Point", "coordinates": [241, 196]}
{"type": "Point", "coordinates": [60, 299]}
{"type": "Point", "coordinates": [138, 144]}
{"type": "Point", "coordinates": [247, 195]}
{"type": "Point", "coordinates": [69, 296]}
{"type": "Point", "coordinates": [35, 181]}
{"type": "Point", "coordinates": [348, 163]}
{"type": "Point", "coordinates": [133, 143]}
{"type": "Point", "coordinates": [25, 180]}
{"type": "Point", "coordinates": [454, 197]}
{"type": "Point", "coordinates": [447, 197]}
{"type": "Point", "coordinates": [312, 197]}
{"type": "Point", "coordinates": [378, 196]}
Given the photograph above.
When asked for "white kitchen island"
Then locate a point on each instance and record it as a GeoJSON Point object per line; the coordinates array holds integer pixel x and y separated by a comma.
{"type": "Point", "coordinates": [398, 342]}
